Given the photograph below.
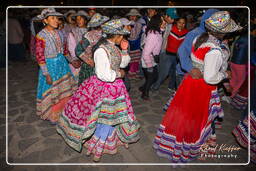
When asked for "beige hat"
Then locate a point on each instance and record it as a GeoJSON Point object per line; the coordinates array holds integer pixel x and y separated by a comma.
{"type": "Point", "coordinates": [133, 12]}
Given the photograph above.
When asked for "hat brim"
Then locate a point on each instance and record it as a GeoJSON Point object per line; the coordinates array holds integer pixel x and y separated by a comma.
{"type": "Point", "coordinates": [98, 23]}
{"type": "Point", "coordinates": [69, 12]}
{"type": "Point", "coordinates": [231, 27]}
{"type": "Point", "coordinates": [133, 14]}
{"type": "Point", "coordinates": [115, 31]}
{"type": "Point", "coordinates": [54, 14]}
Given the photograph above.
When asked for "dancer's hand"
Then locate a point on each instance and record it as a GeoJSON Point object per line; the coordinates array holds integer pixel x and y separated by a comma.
{"type": "Point", "coordinates": [76, 63]}
{"type": "Point", "coordinates": [229, 74]}
{"type": "Point", "coordinates": [49, 79]}
{"type": "Point", "coordinates": [122, 72]}
{"type": "Point", "coordinates": [196, 73]}
{"type": "Point", "coordinates": [89, 61]}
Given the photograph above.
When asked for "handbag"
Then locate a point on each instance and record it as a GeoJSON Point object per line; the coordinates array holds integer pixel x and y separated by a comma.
{"type": "Point", "coordinates": [156, 58]}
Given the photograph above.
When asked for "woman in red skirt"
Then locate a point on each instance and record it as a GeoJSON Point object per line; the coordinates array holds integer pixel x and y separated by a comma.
{"type": "Point", "coordinates": [187, 123]}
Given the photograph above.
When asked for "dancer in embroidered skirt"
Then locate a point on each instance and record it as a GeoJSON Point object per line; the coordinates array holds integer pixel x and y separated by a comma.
{"type": "Point", "coordinates": [187, 123]}
{"type": "Point", "coordinates": [84, 47]}
{"type": "Point", "coordinates": [241, 131]}
{"type": "Point", "coordinates": [99, 116]}
{"type": "Point", "coordinates": [55, 82]}
{"type": "Point", "coordinates": [134, 41]}
{"type": "Point", "coordinates": [73, 39]}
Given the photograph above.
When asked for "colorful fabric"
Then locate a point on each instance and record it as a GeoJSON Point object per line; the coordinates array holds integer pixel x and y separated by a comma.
{"type": "Point", "coordinates": [239, 102]}
{"type": "Point", "coordinates": [114, 55]}
{"type": "Point", "coordinates": [242, 137]}
{"type": "Point", "coordinates": [62, 87]}
{"type": "Point", "coordinates": [97, 19]}
{"type": "Point", "coordinates": [114, 27]}
{"type": "Point", "coordinates": [222, 23]}
{"type": "Point", "coordinates": [135, 61]}
{"type": "Point", "coordinates": [74, 37]}
{"type": "Point", "coordinates": [98, 102]}
{"type": "Point", "coordinates": [181, 140]}
{"type": "Point", "coordinates": [49, 45]}
{"type": "Point", "coordinates": [239, 75]}
{"type": "Point", "coordinates": [84, 47]}
{"type": "Point", "coordinates": [84, 51]}
{"type": "Point", "coordinates": [104, 141]}
{"type": "Point", "coordinates": [78, 33]}
{"type": "Point", "coordinates": [85, 72]}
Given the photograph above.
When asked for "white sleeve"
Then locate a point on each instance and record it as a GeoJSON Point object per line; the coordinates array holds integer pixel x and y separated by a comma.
{"type": "Point", "coordinates": [102, 66]}
{"type": "Point", "coordinates": [212, 65]}
{"type": "Point", "coordinates": [125, 59]}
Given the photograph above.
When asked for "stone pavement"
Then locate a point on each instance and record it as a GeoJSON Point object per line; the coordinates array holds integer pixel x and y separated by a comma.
{"type": "Point", "coordinates": [32, 140]}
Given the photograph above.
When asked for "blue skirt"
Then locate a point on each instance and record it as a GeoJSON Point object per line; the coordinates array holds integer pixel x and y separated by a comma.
{"type": "Point", "coordinates": [63, 85]}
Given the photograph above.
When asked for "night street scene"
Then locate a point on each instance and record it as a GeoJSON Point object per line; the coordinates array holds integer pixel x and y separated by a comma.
{"type": "Point", "coordinates": [128, 86]}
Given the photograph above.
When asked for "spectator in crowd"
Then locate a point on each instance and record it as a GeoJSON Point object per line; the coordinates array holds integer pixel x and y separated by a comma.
{"type": "Point", "coordinates": [16, 49]}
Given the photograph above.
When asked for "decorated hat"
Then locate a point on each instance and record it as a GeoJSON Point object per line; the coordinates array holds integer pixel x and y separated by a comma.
{"type": "Point", "coordinates": [221, 22]}
{"type": "Point", "coordinates": [96, 20]}
{"type": "Point", "coordinates": [81, 13]}
{"type": "Point", "coordinates": [114, 27]}
{"type": "Point", "coordinates": [49, 12]}
{"type": "Point", "coordinates": [133, 12]}
{"type": "Point", "coordinates": [172, 12]}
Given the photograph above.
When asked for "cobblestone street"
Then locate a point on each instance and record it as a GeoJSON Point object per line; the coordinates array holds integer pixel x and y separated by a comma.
{"type": "Point", "coordinates": [32, 140]}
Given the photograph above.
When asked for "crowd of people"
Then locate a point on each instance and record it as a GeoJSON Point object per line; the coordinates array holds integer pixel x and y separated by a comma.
{"type": "Point", "coordinates": [87, 57]}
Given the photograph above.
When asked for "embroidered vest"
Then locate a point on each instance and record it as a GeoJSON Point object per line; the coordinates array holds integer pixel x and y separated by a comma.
{"type": "Point", "coordinates": [53, 43]}
{"type": "Point", "coordinates": [93, 37]}
{"type": "Point", "coordinates": [197, 56]}
{"type": "Point", "coordinates": [114, 55]}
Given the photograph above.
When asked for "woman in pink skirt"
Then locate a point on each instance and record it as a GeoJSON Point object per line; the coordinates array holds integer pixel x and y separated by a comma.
{"type": "Point", "coordinates": [99, 116]}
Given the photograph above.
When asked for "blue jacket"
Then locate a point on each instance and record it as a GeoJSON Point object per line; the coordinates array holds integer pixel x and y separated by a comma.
{"type": "Point", "coordinates": [240, 51]}
{"type": "Point", "coordinates": [184, 51]}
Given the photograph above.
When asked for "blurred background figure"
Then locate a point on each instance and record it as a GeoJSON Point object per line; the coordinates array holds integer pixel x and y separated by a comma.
{"type": "Point", "coordinates": [16, 49]}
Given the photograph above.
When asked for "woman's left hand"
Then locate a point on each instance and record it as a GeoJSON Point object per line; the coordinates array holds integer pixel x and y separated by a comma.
{"type": "Point", "coordinates": [124, 44]}
{"type": "Point", "coordinates": [89, 61]}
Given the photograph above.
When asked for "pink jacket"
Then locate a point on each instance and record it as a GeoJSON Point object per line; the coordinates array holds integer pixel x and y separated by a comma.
{"type": "Point", "coordinates": [153, 43]}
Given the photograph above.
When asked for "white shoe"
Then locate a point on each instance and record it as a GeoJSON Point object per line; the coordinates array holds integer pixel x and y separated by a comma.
{"type": "Point", "coordinates": [226, 99]}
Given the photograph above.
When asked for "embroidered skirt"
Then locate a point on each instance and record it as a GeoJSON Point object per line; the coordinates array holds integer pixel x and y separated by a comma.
{"type": "Point", "coordinates": [100, 117]}
{"type": "Point", "coordinates": [187, 123]}
{"type": "Point", "coordinates": [52, 98]}
{"type": "Point", "coordinates": [241, 134]}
